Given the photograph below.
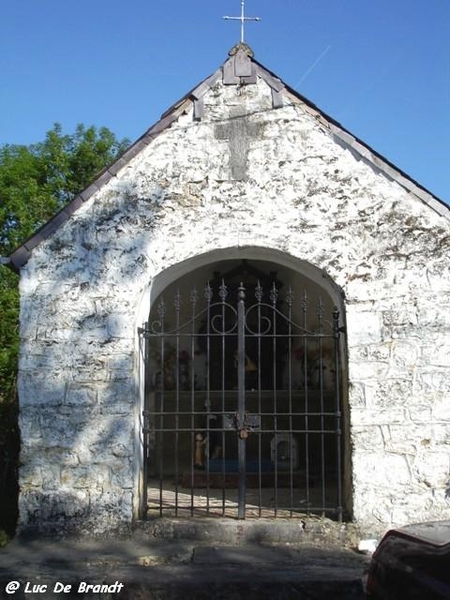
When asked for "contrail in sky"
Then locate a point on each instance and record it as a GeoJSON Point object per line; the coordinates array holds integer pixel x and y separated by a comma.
{"type": "Point", "coordinates": [315, 63]}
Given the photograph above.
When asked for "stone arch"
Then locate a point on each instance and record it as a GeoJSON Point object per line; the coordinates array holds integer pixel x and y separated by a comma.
{"type": "Point", "coordinates": [295, 273]}
{"type": "Point", "coordinates": [170, 275]}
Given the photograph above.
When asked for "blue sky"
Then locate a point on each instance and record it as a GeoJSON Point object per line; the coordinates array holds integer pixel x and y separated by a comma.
{"type": "Point", "coordinates": [379, 67]}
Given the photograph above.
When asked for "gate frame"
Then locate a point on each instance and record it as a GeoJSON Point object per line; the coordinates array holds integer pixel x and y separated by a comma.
{"type": "Point", "coordinates": [182, 269]}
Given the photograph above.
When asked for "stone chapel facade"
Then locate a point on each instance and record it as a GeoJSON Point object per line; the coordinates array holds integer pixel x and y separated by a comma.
{"type": "Point", "coordinates": [242, 171]}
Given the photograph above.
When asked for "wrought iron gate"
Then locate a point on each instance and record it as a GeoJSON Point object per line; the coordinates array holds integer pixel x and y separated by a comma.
{"type": "Point", "coordinates": [243, 405]}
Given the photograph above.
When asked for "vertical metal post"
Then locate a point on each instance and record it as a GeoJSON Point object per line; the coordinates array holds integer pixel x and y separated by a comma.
{"type": "Point", "coordinates": [319, 365]}
{"type": "Point", "coordinates": [259, 297]}
{"type": "Point", "coordinates": [273, 298]}
{"type": "Point", "coordinates": [161, 407]}
{"type": "Point", "coordinates": [241, 400]}
{"type": "Point", "coordinates": [145, 421]}
{"type": "Point", "coordinates": [223, 295]}
{"type": "Point", "coordinates": [289, 300]}
{"type": "Point", "coordinates": [194, 339]}
{"type": "Point", "coordinates": [337, 366]}
{"type": "Point", "coordinates": [304, 307]}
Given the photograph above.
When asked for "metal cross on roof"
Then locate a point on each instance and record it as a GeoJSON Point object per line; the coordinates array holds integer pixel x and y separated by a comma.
{"type": "Point", "coordinates": [242, 19]}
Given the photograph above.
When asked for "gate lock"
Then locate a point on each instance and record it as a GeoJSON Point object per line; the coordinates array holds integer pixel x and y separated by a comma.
{"type": "Point", "coordinates": [249, 424]}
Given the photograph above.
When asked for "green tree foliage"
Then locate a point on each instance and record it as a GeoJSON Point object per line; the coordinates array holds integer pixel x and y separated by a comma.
{"type": "Point", "coordinates": [35, 182]}
{"type": "Point", "coordinates": [38, 180]}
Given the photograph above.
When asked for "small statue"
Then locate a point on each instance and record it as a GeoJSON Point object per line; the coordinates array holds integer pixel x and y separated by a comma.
{"type": "Point", "coordinates": [208, 443]}
{"type": "Point", "coordinates": [213, 447]}
{"type": "Point", "coordinates": [199, 453]}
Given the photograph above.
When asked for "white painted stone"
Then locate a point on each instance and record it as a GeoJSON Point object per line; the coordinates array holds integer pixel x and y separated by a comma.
{"type": "Point", "coordinates": [364, 326]}
{"type": "Point", "coordinates": [432, 468]}
{"type": "Point", "coordinates": [377, 469]}
{"type": "Point", "coordinates": [306, 199]}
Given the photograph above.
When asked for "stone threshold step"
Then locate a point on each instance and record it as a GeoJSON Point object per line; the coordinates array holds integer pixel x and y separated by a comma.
{"type": "Point", "coordinates": [234, 531]}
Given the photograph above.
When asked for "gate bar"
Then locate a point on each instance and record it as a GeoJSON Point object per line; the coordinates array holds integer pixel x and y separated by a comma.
{"type": "Point", "coordinates": [241, 400]}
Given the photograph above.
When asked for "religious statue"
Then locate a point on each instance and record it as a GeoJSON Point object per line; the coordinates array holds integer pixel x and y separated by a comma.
{"type": "Point", "coordinates": [208, 443]}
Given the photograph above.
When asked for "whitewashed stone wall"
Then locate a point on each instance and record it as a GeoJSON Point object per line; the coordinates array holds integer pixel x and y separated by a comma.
{"type": "Point", "coordinates": [293, 188]}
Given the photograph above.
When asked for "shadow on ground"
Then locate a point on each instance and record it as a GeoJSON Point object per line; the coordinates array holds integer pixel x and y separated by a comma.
{"type": "Point", "coordinates": [157, 569]}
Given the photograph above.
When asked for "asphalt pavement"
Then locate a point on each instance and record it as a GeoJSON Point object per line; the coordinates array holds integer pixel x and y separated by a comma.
{"type": "Point", "coordinates": [151, 564]}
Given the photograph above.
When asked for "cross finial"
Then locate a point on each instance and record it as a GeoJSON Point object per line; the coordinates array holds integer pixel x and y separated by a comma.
{"type": "Point", "coordinates": [242, 19]}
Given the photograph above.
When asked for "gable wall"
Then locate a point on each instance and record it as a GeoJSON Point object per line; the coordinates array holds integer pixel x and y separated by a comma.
{"type": "Point", "coordinates": [300, 193]}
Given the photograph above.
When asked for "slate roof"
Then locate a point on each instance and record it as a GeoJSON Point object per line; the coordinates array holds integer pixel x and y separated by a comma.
{"type": "Point", "coordinates": [240, 68]}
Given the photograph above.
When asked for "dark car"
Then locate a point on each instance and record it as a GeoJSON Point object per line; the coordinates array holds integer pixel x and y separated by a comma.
{"type": "Point", "coordinates": [412, 563]}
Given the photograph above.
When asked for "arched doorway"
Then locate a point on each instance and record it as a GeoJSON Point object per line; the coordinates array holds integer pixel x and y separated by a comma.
{"type": "Point", "coordinates": [245, 379]}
